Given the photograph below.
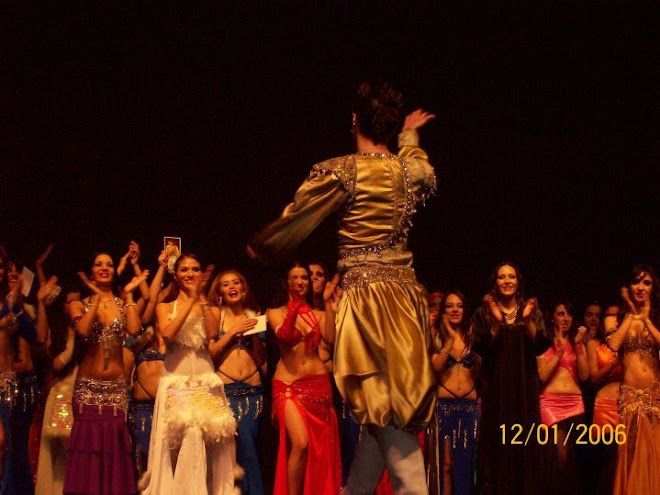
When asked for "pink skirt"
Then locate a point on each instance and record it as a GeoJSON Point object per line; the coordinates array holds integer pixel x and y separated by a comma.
{"type": "Point", "coordinates": [558, 407]}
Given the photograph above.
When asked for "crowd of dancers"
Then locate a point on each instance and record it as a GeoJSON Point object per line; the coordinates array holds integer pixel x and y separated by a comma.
{"type": "Point", "coordinates": [155, 382]}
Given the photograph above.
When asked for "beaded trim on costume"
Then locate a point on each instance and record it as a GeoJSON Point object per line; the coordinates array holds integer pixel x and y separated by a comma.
{"type": "Point", "coordinates": [109, 393]}
{"type": "Point", "coordinates": [8, 387]}
{"type": "Point", "coordinates": [246, 400]}
{"type": "Point", "coordinates": [402, 223]}
{"type": "Point", "coordinates": [344, 169]}
{"type": "Point", "coordinates": [360, 276]}
{"type": "Point", "coordinates": [646, 400]}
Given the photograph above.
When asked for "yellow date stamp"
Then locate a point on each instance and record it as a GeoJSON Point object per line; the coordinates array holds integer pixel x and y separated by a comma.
{"type": "Point", "coordinates": [517, 434]}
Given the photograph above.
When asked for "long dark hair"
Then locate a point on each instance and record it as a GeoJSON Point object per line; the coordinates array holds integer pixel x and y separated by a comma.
{"type": "Point", "coordinates": [283, 298]}
{"type": "Point", "coordinates": [463, 327]}
{"type": "Point", "coordinates": [174, 293]}
{"type": "Point", "coordinates": [492, 283]}
{"type": "Point", "coordinates": [638, 272]}
{"type": "Point", "coordinates": [549, 320]}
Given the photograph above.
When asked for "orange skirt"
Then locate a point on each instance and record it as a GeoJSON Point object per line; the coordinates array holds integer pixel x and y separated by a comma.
{"type": "Point", "coordinates": [638, 459]}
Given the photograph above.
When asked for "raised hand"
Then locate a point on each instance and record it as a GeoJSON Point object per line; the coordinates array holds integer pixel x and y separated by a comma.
{"type": "Point", "coordinates": [625, 295]}
{"type": "Point", "coordinates": [133, 252]}
{"type": "Point", "coordinates": [88, 283]}
{"type": "Point", "coordinates": [416, 119]}
{"type": "Point", "coordinates": [135, 281]}
{"type": "Point", "coordinates": [47, 288]}
{"type": "Point", "coordinates": [39, 263]}
{"type": "Point", "coordinates": [15, 293]}
{"type": "Point", "coordinates": [330, 288]}
{"type": "Point", "coordinates": [42, 257]}
{"type": "Point", "coordinates": [451, 333]}
{"type": "Point", "coordinates": [494, 309]}
{"type": "Point", "coordinates": [529, 308]}
{"type": "Point", "coordinates": [162, 259]}
{"type": "Point", "coordinates": [582, 332]}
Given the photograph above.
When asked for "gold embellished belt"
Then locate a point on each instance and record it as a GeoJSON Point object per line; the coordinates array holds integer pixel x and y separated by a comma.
{"type": "Point", "coordinates": [645, 400]}
{"type": "Point", "coordinates": [360, 276]}
{"type": "Point", "coordinates": [110, 393]}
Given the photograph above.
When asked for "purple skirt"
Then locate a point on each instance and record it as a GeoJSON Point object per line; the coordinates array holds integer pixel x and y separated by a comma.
{"type": "Point", "coordinates": [99, 456]}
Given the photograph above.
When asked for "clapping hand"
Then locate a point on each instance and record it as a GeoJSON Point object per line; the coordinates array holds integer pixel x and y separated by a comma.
{"type": "Point", "coordinates": [529, 308]}
{"type": "Point", "coordinates": [135, 281]}
{"type": "Point", "coordinates": [494, 308]}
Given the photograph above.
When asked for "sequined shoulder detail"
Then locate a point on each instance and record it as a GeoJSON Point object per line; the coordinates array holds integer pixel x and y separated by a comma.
{"type": "Point", "coordinates": [343, 168]}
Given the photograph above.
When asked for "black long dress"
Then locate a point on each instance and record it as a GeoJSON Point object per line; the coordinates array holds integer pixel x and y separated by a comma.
{"type": "Point", "coordinates": [510, 397]}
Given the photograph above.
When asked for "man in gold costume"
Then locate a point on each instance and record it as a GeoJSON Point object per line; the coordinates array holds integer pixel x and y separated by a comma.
{"type": "Point", "coordinates": [381, 363]}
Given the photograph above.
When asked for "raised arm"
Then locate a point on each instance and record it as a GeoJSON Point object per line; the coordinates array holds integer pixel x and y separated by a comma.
{"type": "Point", "coordinates": [439, 358]}
{"type": "Point", "coordinates": [39, 264]}
{"type": "Point", "coordinates": [580, 352]}
{"type": "Point", "coordinates": [42, 318]}
{"type": "Point", "coordinates": [595, 374]}
{"type": "Point", "coordinates": [530, 322]}
{"type": "Point", "coordinates": [324, 191]}
{"type": "Point", "coordinates": [154, 289]}
{"type": "Point", "coordinates": [548, 362]}
{"type": "Point", "coordinates": [133, 322]}
{"type": "Point", "coordinates": [618, 334]}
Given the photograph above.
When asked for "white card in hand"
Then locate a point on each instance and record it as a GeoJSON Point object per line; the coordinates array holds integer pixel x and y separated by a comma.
{"type": "Point", "coordinates": [28, 278]}
{"type": "Point", "coordinates": [259, 327]}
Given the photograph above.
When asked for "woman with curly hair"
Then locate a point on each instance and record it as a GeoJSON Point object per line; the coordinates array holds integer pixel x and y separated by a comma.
{"type": "Point", "coordinates": [381, 361]}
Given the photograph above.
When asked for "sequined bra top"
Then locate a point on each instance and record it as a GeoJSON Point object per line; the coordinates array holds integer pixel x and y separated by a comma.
{"type": "Point", "coordinates": [149, 354]}
{"type": "Point", "coordinates": [638, 343]}
{"type": "Point", "coordinates": [191, 334]}
{"type": "Point", "coordinates": [113, 333]}
{"type": "Point", "coordinates": [466, 361]}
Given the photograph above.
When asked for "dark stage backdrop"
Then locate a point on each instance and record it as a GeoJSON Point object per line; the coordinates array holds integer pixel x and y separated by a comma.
{"type": "Point", "coordinates": [137, 120]}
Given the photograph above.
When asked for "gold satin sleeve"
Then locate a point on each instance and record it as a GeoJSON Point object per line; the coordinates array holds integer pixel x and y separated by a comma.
{"type": "Point", "coordinates": [321, 194]}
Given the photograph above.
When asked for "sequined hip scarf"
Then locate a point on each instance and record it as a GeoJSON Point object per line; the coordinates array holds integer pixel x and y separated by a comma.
{"type": "Point", "coordinates": [7, 388]}
{"type": "Point", "coordinates": [245, 400]}
{"type": "Point", "coordinates": [458, 419]}
{"type": "Point", "coordinates": [641, 401]}
{"type": "Point", "coordinates": [100, 393]}
{"type": "Point", "coordinates": [28, 391]}
{"type": "Point", "coordinates": [360, 276]}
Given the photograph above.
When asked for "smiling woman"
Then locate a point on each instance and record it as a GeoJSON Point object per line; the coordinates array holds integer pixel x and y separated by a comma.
{"type": "Point", "coordinates": [100, 455]}
{"type": "Point", "coordinates": [192, 420]}
{"type": "Point", "coordinates": [308, 454]}
{"type": "Point", "coordinates": [241, 360]}
{"type": "Point", "coordinates": [637, 335]}
{"type": "Point", "coordinates": [509, 334]}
